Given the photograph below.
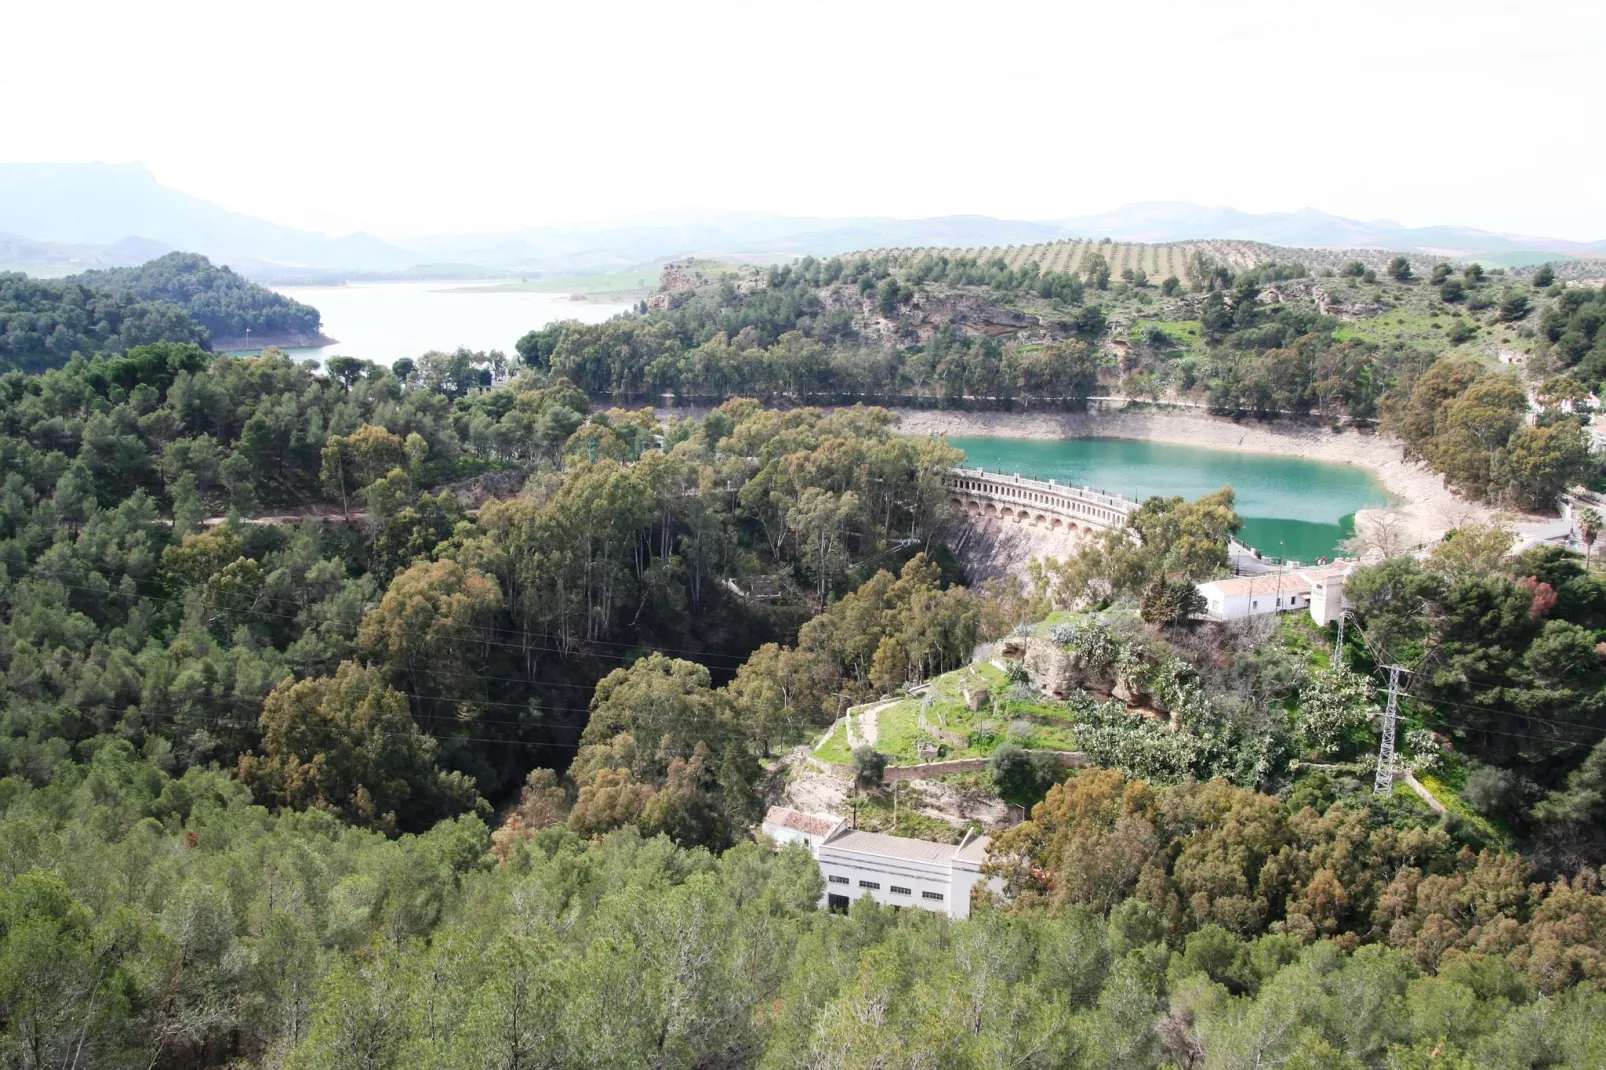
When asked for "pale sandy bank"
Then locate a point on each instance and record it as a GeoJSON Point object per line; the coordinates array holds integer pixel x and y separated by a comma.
{"type": "Point", "coordinates": [1426, 507]}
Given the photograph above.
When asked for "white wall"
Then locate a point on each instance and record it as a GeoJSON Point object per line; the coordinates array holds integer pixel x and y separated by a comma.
{"type": "Point", "coordinates": [918, 877]}
{"type": "Point", "coordinates": [1239, 606]}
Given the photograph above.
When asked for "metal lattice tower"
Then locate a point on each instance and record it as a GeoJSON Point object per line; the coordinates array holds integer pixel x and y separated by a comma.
{"type": "Point", "coordinates": [1385, 751]}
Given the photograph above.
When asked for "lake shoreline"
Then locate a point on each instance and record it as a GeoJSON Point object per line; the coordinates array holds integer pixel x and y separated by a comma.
{"type": "Point", "coordinates": [1426, 507]}
{"type": "Point", "coordinates": [293, 340]}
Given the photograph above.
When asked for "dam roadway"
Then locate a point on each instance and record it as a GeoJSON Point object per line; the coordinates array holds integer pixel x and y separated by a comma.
{"type": "Point", "coordinates": [1040, 502]}
{"type": "Point", "coordinates": [1062, 507]}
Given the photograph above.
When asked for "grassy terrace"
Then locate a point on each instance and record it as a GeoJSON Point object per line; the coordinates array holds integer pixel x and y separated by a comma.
{"type": "Point", "coordinates": [835, 749]}
{"type": "Point", "coordinates": [1037, 724]}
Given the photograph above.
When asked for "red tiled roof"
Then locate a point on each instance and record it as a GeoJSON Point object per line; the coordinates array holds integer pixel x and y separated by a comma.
{"type": "Point", "coordinates": [813, 824]}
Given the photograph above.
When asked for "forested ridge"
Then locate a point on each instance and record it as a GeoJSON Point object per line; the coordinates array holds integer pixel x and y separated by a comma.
{"type": "Point", "coordinates": [221, 301]}
{"type": "Point", "coordinates": [180, 297]}
{"type": "Point", "coordinates": [355, 716]}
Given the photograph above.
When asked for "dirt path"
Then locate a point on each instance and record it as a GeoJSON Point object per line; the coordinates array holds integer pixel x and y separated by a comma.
{"type": "Point", "coordinates": [870, 721]}
{"type": "Point", "coordinates": [1427, 796]}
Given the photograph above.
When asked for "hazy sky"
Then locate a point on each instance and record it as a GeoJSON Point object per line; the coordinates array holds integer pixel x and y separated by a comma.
{"type": "Point", "coordinates": [402, 118]}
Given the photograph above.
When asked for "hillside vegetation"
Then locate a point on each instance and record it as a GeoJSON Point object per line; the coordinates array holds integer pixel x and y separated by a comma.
{"type": "Point", "coordinates": [222, 302]}
{"type": "Point", "coordinates": [179, 297]}
{"type": "Point", "coordinates": [1453, 363]}
{"type": "Point", "coordinates": [360, 716]}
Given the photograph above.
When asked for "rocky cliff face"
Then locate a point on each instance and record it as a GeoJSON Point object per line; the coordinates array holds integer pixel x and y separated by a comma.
{"type": "Point", "coordinates": [1055, 670]}
{"type": "Point", "coordinates": [920, 319]}
{"type": "Point", "coordinates": [680, 278]}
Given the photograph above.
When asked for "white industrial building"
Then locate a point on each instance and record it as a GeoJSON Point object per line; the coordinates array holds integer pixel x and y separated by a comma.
{"type": "Point", "coordinates": [894, 870]}
{"type": "Point", "coordinates": [1320, 590]}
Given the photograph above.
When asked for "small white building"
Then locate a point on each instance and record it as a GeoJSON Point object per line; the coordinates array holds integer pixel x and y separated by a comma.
{"type": "Point", "coordinates": [1320, 590]}
{"type": "Point", "coordinates": [893, 870]}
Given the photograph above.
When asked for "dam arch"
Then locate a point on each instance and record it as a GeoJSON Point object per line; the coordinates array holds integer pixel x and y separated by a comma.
{"type": "Point", "coordinates": [1040, 502]}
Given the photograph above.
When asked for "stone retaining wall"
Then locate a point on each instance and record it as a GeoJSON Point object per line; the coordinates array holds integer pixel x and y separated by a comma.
{"type": "Point", "coordinates": [931, 769]}
{"type": "Point", "coordinates": [1068, 759]}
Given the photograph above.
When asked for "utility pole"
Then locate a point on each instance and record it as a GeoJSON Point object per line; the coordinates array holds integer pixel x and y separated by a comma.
{"type": "Point", "coordinates": [1385, 751]}
{"type": "Point", "coordinates": [1338, 647]}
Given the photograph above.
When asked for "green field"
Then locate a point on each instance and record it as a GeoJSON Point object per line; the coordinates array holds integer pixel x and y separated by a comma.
{"type": "Point", "coordinates": [835, 749]}
{"type": "Point", "coordinates": [1040, 723]}
{"type": "Point", "coordinates": [622, 284]}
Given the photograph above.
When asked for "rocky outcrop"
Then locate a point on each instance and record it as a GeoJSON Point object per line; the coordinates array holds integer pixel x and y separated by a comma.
{"type": "Point", "coordinates": [681, 278]}
{"type": "Point", "coordinates": [477, 490]}
{"type": "Point", "coordinates": [1329, 303]}
{"type": "Point", "coordinates": [930, 311]}
{"type": "Point", "coordinates": [1056, 670]}
{"type": "Point", "coordinates": [680, 275]}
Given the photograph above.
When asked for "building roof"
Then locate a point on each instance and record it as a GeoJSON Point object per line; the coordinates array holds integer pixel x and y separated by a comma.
{"type": "Point", "coordinates": [973, 848]}
{"type": "Point", "coordinates": [876, 843]}
{"type": "Point", "coordinates": [812, 824]}
{"type": "Point", "coordinates": [1272, 582]}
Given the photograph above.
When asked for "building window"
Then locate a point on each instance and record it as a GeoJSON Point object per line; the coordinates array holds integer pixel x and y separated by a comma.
{"type": "Point", "coordinates": [838, 880]}
{"type": "Point", "coordinates": [935, 897]}
{"type": "Point", "coordinates": [899, 891]}
{"type": "Point", "coordinates": [872, 885]}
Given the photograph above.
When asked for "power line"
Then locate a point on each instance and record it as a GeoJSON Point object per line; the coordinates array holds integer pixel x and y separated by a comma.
{"type": "Point", "coordinates": [1436, 702]}
{"type": "Point", "coordinates": [294, 617]}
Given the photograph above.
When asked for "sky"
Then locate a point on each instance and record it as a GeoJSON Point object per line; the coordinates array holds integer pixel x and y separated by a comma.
{"type": "Point", "coordinates": [402, 118]}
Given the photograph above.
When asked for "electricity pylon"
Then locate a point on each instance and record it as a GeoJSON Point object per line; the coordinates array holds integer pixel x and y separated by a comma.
{"type": "Point", "coordinates": [1385, 751]}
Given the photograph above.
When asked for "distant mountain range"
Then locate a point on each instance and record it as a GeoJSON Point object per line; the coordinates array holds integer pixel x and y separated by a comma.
{"type": "Point", "coordinates": [1164, 221]}
{"type": "Point", "coordinates": [56, 219]}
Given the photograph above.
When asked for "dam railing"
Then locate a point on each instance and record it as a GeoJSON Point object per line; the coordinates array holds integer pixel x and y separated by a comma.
{"type": "Point", "coordinates": [1094, 495]}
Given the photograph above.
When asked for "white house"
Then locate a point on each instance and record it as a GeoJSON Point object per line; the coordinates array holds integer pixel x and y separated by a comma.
{"type": "Point", "coordinates": [893, 870]}
{"type": "Point", "coordinates": [1320, 590]}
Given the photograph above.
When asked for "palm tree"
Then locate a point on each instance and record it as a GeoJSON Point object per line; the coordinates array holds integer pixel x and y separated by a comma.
{"type": "Point", "coordinates": [1589, 527]}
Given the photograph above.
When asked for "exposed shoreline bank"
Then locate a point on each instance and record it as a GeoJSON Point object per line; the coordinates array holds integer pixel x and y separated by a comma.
{"type": "Point", "coordinates": [283, 341]}
{"type": "Point", "coordinates": [1426, 507]}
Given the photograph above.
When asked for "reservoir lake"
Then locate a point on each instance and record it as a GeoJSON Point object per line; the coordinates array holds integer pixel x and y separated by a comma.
{"type": "Point", "coordinates": [1292, 508]}
{"type": "Point", "coordinates": [384, 321]}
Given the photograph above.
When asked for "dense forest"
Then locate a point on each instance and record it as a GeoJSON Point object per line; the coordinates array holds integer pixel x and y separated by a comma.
{"type": "Point", "coordinates": [355, 716]}
{"type": "Point", "coordinates": [153, 920]}
{"type": "Point", "coordinates": [43, 322]}
{"type": "Point", "coordinates": [141, 601]}
{"type": "Point", "coordinates": [180, 297]}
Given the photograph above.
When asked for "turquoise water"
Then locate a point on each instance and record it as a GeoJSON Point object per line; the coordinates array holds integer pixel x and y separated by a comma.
{"type": "Point", "coordinates": [1291, 507]}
